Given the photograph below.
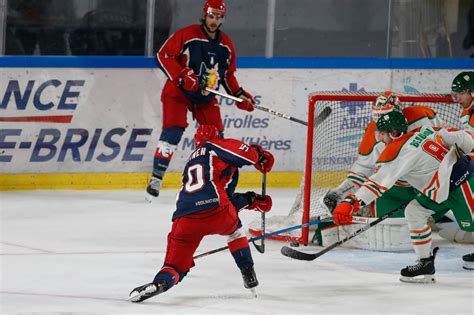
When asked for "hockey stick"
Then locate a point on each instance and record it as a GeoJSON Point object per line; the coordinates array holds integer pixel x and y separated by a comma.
{"type": "Point", "coordinates": [293, 253]}
{"type": "Point", "coordinates": [261, 248]}
{"type": "Point", "coordinates": [265, 109]}
{"type": "Point", "coordinates": [266, 235]}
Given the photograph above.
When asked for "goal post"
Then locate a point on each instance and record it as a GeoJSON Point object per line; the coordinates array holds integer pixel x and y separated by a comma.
{"type": "Point", "coordinates": [332, 147]}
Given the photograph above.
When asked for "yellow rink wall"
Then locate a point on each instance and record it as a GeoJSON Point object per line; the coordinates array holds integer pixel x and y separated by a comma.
{"type": "Point", "coordinates": [76, 181]}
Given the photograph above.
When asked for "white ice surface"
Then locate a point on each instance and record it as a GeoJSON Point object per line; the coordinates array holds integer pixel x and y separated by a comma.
{"type": "Point", "coordinates": [83, 252]}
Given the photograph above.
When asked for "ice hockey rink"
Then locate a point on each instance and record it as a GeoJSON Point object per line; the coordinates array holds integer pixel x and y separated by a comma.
{"type": "Point", "coordinates": [84, 251]}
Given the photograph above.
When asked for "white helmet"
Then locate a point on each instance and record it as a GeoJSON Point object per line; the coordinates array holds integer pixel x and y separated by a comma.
{"type": "Point", "coordinates": [384, 104]}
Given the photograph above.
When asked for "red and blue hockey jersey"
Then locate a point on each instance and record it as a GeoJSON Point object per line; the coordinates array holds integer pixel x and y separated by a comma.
{"type": "Point", "coordinates": [213, 59]}
{"type": "Point", "coordinates": [211, 175]}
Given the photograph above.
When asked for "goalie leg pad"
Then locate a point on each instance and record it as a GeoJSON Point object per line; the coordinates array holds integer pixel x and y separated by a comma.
{"type": "Point", "coordinates": [389, 235]}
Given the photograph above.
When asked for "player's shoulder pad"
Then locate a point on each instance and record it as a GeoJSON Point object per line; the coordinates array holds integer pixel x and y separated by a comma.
{"type": "Point", "coordinates": [392, 150]}
{"type": "Point", "coordinates": [368, 141]}
{"type": "Point", "coordinates": [236, 148]}
{"type": "Point", "coordinates": [191, 32]}
{"type": "Point", "coordinates": [414, 113]}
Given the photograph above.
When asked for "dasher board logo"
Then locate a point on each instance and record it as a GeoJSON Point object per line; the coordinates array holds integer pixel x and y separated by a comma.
{"type": "Point", "coordinates": [36, 117]}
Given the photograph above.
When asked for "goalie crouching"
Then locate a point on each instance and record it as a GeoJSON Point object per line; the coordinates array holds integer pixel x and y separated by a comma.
{"type": "Point", "coordinates": [432, 161]}
{"type": "Point", "coordinates": [391, 234]}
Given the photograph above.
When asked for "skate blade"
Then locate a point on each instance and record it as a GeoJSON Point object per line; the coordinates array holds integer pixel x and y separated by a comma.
{"type": "Point", "coordinates": [468, 266]}
{"type": "Point", "coordinates": [136, 296]}
{"type": "Point", "coordinates": [254, 292]}
{"type": "Point", "coordinates": [425, 279]}
{"type": "Point", "coordinates": [149, 198]}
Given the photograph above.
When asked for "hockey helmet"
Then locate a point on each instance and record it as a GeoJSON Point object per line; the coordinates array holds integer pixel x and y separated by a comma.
{"type": "Point", "coordinates": [463, 82]}
{"type": "Point", "coordinates": [205, 133]}
{"type": "Point", "coordinates": [394, 123]}
{"type": "Point", "coordinates": [214, 7]}
{"type": "Point", "coordinates": [385, 103]}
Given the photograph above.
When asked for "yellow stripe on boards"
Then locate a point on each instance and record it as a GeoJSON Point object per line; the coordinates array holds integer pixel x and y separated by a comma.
{"type": "Point", "coordinates": [93, 181]}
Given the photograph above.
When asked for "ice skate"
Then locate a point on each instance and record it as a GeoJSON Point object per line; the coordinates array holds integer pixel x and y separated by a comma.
{"type": "Point", "coordinates": [249, 277]}
{"type": "Point", "coordinates": [421, 272]}
{"type": "Point", "coordinates": [468, 261]}
{"type": "Point", "coordinates": [146, 291]}
{"type": "Point", "coordinates": [153, 188]}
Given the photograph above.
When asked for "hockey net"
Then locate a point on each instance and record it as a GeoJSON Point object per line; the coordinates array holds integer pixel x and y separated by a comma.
{"type": "Point", "coordinates": [332, 147]}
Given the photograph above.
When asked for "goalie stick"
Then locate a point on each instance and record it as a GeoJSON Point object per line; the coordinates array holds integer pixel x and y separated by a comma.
{"type": "Point", "coordinates": [261, 248]}
{"type": "Point", "coordinates": [293, 253]}
{"type": "Point", "coordinates": [321, 117]}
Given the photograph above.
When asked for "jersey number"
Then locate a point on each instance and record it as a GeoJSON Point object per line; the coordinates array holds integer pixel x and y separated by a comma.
{"type": "Point", "coordinates": [195, 178]}
{"type": "Point", "coordinates": [434, 149]}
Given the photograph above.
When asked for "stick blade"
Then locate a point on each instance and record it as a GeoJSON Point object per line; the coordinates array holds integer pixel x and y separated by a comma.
{"type": "Point", "coordinates": [295, 254]}
{"type": "Point", "coordinates": [259, 248]}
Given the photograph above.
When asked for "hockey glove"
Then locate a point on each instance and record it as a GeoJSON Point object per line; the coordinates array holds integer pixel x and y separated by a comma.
{"type": "Point", "coordinates": [265, 159]}
{"type": "Point", "coordinates": [248, 100]}
{"type": "Point", "coordinates": [331, 199]}
{"type": "Point", "coordinates": [259, 202]}
{"type": "Point", "coordinates": [188, 80]}
{"type": "Point", "coordinates": [343, 212]}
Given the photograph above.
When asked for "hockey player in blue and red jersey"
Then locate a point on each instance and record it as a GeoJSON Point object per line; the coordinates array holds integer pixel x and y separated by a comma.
{"type": "Point", "coordinates": [207, 205]}
{"type": "Point", "coordinates": [195, 57]}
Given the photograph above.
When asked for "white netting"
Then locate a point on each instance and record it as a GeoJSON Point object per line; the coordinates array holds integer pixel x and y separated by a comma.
{"type": "Point", "coordinates": [335, 147]}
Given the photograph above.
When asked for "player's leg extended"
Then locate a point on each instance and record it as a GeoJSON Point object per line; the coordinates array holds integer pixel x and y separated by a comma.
{"type": "Point", "coordinates": [461, 202]}
{"type": "Point", "coordinates": [183, 240]}
{"type": "Point", "coordinates": [174, 124]}
{"type": "Point", "coordinates": [239, 246]}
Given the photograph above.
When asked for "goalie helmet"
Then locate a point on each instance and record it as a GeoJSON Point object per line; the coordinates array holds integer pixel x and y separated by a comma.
{"type": "Point", "coordinates": [214, 7]}
{"type": "Point", "coordinates": [463, 82]}
{"type": "Point", "coordinates": [385, 103]}
{"type": "Point", "coordinates": [205, 133]}
{"type": "Point", "coordinates": [394, 123]}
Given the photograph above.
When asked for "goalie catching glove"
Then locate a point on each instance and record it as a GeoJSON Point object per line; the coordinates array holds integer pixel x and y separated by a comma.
{"type": "Point", "coordinates": [343, 212]}
{"type": "Point", "coordinates": [259, 202]}
{"type": "Point", "coordinates": [247, 100]}
{"type": "Point", "coordinates": [331, 199]}
{"type": "Point", "coordinates": [265, 159]}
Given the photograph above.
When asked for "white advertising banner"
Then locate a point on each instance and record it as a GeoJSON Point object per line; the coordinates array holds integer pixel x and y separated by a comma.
{"type": "Point", "coordinates": [58, 120]}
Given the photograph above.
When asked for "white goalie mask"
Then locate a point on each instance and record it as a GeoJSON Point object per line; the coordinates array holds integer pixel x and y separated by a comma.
{"type": "Point", "coordinates": [385, 104]}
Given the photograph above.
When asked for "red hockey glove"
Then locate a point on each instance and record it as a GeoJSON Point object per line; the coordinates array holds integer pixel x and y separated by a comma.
{"type": "Point", "coordinates": [259, 202]}
{"type": "Point", "coordinates": [248, 100]}
{"type": "Point", "coordinates": [188, 80]}
{"type": "Point", "coordinates": [265, 159]}
{"type": "Point", "coordinates": [343, 212]}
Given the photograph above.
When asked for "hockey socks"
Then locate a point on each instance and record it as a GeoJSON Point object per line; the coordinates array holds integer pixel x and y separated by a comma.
{"type": "Point", "coordinates": [240, 250]}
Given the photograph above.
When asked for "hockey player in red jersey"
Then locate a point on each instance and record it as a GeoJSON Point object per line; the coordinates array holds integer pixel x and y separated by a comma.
{"type": "Point", "coordinates": [195, 57]}
{"type": "Point", "coordinates": [207, 205]}
{"type": "Point", "coordinates": [432, 161]}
